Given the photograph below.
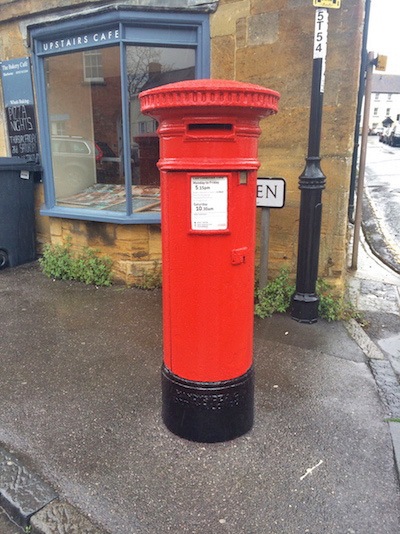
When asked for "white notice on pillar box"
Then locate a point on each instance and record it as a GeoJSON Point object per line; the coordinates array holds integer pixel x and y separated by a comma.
{"type": "Point", "coordinates": [209, 203]}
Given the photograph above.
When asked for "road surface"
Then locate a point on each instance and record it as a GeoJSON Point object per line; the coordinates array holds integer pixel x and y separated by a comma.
{"type": "Point", "coordinates": [381, 212]}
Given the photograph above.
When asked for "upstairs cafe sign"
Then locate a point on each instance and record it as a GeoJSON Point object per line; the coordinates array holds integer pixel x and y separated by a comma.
{"type": "Point", "coordinates": [79, 40]}
{"type": "Point", "coordinates": [19, 107]}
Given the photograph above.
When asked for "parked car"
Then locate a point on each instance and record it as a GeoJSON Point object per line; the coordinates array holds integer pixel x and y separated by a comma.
{"type": "Point", "coordinates": [74, 163]}
{"type": "Point", "coordinates": [377, 130]}
{"type": "Point", "coordinates": [73, 144]}
{"type": "Point", "coordinates": [109, 167]}
{"type": "Point", "coordinates": [384, 137]}
{"type": "Point", "coordinates": [394, 135]}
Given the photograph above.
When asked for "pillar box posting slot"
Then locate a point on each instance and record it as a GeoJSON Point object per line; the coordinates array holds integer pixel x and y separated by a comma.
{"type": "Point", "coordinates": [209, 133]}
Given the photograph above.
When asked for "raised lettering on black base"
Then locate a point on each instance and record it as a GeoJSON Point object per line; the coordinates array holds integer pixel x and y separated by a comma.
{"type": "Point", "coordinates": [208, 411]}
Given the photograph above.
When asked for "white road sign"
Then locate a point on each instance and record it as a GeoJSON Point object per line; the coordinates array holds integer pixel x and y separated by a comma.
{"type": "Point", "coordinates": [271, 192]}
{"type": "Point", "coordinates": [321, 41]}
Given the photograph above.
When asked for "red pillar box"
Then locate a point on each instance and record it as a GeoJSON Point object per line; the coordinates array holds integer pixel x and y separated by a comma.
{"type": "Point", "coordinates": [208, 161]}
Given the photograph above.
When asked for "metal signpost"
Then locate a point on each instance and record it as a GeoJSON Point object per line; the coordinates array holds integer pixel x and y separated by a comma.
{"type": "Point", "coordinates": [312, 181]}
{"type": "Point", "coordinates": [270, 194]}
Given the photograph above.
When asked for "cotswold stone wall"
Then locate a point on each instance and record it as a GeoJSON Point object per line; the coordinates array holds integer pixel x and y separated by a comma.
{"type": "Point", "coordinates": [270, 42]}
{"type": "Point", "coordinates": [134, 249]}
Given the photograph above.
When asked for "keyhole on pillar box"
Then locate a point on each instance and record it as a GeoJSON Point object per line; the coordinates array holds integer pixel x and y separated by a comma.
{"type": "Point", "coordinates": [242, 177]}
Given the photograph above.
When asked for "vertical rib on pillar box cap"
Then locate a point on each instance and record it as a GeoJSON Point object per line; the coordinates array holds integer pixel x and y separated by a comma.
{"type": "Point", "coordinates": [208, 133]}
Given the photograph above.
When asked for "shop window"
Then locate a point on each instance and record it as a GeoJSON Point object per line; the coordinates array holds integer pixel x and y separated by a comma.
{"type": "Point", "coordinates": [87, 161]}
{"type": "Point", "coordinates": [100, 152]}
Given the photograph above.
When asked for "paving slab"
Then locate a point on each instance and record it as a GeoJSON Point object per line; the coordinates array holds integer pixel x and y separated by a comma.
{"type": "Point", "coordinates": [22, 492]}
{"type": "Point", "coordinates": [61, 518]}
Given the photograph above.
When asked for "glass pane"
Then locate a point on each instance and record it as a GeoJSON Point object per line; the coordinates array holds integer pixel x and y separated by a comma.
{"type": "Point", "coordinates": [84, 104]}
{"type": "Point", "coordinates": [149, 67]}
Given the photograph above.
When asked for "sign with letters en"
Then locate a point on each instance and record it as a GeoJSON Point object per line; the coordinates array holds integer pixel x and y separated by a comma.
{"type": "Point", "coordinates": [19, 107]}
{"type": "Point", "coordinates": [270, 192]}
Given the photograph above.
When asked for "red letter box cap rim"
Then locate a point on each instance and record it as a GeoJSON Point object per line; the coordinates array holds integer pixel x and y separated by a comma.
{"type": "Point", "coordinates": [211, 93]}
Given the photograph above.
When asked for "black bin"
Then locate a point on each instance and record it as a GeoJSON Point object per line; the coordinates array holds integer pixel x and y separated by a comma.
{"type": "Point", "coordinates": [17, 217]}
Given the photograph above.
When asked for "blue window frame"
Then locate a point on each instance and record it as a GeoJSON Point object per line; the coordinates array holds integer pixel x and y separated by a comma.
{"type": "Point", "coordinates": [89, 71]}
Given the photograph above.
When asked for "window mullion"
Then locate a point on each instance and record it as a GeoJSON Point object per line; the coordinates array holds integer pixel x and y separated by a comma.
{"type": "Point", "coordinates": [126, 130]}
{"type": "Point", "coordinates": [44, 133]}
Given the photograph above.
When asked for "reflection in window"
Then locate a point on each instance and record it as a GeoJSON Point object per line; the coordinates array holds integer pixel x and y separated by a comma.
{"type": "Point", "coordinates": [93, 66]}
{"type": "Point", "coordinates": [57, 127]}
{"type": "Point", "coordinates": [149, 67]}
{"type": "Point", "coordinates": [87, 158]}
{"type": "Point", "coordinates": [86, 127]}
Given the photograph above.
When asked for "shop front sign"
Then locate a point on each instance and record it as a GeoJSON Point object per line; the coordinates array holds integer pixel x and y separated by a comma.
{"type": "Point", "coordinates": [19, 107]}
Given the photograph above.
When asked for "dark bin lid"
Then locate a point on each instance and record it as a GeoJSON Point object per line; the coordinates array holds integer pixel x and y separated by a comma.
{"type": "Point", "coordinates": [19, 164]}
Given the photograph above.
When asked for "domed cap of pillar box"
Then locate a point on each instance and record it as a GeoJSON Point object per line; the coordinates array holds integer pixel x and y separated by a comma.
{"type": "Point", "coordinates": [203, 96]}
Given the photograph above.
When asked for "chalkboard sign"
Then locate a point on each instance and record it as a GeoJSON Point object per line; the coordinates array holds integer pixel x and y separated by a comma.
{"type": "Point", "coordinates": [19, 108]}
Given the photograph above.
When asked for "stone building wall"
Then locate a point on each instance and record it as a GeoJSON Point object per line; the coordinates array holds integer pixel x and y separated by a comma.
{"type": "Point", "coordinates": [270, 42]}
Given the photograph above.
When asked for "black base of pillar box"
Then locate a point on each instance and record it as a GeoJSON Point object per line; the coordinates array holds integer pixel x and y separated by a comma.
{"type": "Point", "coordinates": [305, 308]}
{"type": "Point", "coordinates": [208, 412]}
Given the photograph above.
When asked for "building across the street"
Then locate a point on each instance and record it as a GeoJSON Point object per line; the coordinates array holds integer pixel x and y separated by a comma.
{"type": "Point", "coordinates": [385, 101]}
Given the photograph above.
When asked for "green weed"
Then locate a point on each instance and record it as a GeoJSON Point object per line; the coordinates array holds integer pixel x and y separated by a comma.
{"type": "Point", "coordinates": [150, 278]}
{"type": "Point", "coordinates": [59, 262]}
{"type": "Point", "coordinates": [276, 297]}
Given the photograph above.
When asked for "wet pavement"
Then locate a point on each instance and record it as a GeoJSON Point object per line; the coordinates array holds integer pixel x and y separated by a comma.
{"type": "Point", "coordinates": [375, 290]}
{"type": "Point", "coordinates": [81, 403]}
{"type": "Point", "coordinates": [381, 202]}
{"type": "Point", "coordinates": [6, 526]}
